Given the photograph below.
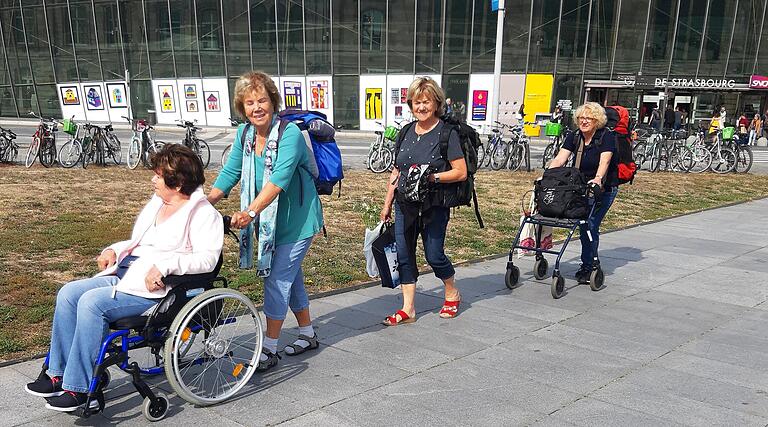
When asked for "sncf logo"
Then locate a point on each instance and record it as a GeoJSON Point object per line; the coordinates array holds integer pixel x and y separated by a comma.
{"type": "Point", "coordinates": [758, 82]}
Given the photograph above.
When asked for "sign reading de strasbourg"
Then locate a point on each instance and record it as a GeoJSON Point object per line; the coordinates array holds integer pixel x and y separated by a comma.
{"type": "Point", "coordinates": [695, 83]}
{"type": "Point", "coordinates": [758, 82]}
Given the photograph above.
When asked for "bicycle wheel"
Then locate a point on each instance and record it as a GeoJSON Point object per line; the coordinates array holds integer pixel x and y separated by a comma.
{"type": "Point", "coordinates": [724, 162]}
{"type": "Point", "coordinates": [515, 158]}
{"type": "Point", "coordinates": [745, 158]}
{"type": "Point", "coordinates": [203, 151]}
{"type": "Point", "coordinates": [655, 160]}
{"type": "Point", "coordinates": [134, 153]}
{"type": "Point", "coordinates": [115, 151]}
{"type": "Point", "coordinates": [225, 155]}
{"type": "Point", "coordinates": [639, 154]}
{"type": "Point", "coordinates": [89, 150]}
{"type": "Point", "coordinates": [499, 156]}
{"type": "Point", "coordinates": [32, 151]}
{"type": "Point", "coordinates": [549, 154]}
{"type": "Point", "coordinates": [702, 159]}
{"type": "Point", "coordinates": [380, 160]}
{"type": "Point", "coordinates": [69, 153]}
{"type": "Point", "coordinates": [683, 159]}
{"type": "Point", "coordinates": [48, 152]}
{"type": "Point", "coordinates": [151, 150]}
{"type": "Point", "coordinates": [480, 155]}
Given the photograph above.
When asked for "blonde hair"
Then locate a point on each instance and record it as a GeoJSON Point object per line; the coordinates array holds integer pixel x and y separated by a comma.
{"type": "Point", "coordinates": [592, 110]}
{"type": "Point", "coordinates": [427, 86]}
{"type": "Point", "coordinates": [255, 80]}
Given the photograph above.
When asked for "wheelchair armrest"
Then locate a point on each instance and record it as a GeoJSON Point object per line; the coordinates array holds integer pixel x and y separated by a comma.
{"type": "Point", "coordinates": [189, 280]}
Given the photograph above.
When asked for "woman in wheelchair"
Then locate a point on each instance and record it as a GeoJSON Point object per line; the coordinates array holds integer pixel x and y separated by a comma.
{"type": "Point", "coordinates": [178, 232]}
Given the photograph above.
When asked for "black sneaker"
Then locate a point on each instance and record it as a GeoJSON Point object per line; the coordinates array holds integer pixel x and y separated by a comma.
{"type": "Point", "coordinates": [45, 386]}
{"type": "Point", "coordinates": [69, 401]}
{"type": "Point", "coordinates": [268, 364]}
{"type": "Point", "coordinates": [582, 276]}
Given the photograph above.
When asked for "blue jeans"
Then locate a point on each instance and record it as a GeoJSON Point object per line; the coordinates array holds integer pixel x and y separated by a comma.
{"type": "Point", "coordinates": [284, 286]}
{"type": "Point", "coordinates": [593, 226]}
{"type": "Point", "coordinates": [433, 238]}
{"type": "Point", "coordinates": [81, 319]}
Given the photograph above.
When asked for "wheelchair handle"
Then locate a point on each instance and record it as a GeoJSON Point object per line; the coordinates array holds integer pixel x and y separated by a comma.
{"type": "Point", "coordinates": [228, 227]}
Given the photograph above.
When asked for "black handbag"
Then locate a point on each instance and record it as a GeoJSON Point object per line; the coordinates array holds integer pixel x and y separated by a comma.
{"type": "Point", "coordinates": [385, 254]}
{"type": "Point", "coordinates": [562, 192]}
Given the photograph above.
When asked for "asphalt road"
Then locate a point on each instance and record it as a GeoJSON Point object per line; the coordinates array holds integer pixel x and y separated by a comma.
{"type": "Point", "coordinates": [353, 146]}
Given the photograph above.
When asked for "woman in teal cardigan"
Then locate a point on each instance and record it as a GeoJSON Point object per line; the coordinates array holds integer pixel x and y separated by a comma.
{"type": "Point", "coordinates": [280, 209]}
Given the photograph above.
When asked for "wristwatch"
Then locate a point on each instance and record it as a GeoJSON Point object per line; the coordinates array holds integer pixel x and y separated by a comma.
{"type": "Point", "coordinates": [252, 214]}
{"type": "Point", "coordinates": [437, 178]}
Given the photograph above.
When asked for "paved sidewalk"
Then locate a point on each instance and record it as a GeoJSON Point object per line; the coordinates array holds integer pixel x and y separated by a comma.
{"type": "Point", "coordinates": [678, 338]}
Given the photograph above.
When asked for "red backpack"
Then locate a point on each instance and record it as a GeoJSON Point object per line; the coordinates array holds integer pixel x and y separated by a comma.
{"type": "Point", "coordinates": [618, 122]}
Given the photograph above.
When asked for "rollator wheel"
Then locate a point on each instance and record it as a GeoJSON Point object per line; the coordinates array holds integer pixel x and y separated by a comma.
{"type": "Point", "coordinates": [540, 269]}
{"type": "Point", "coordinates": [596, 279]}
{"type": "Point", "coordinates": [155, 409]}
{"type": "Point", "coordinates": [512, 276]}
{"type": "Point", "coordinates": [213, 346]}
{"type": "Point", "coordinates": [558, 286]}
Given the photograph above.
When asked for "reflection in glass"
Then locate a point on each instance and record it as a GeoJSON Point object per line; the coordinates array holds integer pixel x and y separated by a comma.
{"type": "Point", "coordinates": [7, 106]}
{"type": "Point", "coordinates": [401, 27]}
{"type": "Point", "coordinates": [629, 41]}
{"type": "Point", "coordinates": [659, 44]}
{"type": "Point", "coordinates": [601, 34]}
{"type": "Point", "coordinates": [372, 36]}
{"type": "Point", "coordinates": [210, 36]}
{"type": "Point", "coordinates": [263, 36]}
{"type": "Point", "coordinates": [15, 48]}
{"type": "Point", "coordinates": [428, 36]}
{"type": "Point", "coordinates": [83, 33]}
{"type": "Point", "coordinates": [134, 44]}
{"type": "Point", "coordinates": [345, 37]}
{"type": "Point", "coordinates": [346, 98]}
{"type": "Point", "coordinates": [141, 97]}
{"type": "Point", "coordinates": [544, 35]}
{"type": "Point", "coordinates": [159, 38]}
{"type": "Point", "coordinates": [109, 40]}
{"type": "Point", "coordinates": [690, 30]}
{"type": "Point", "coordinates": [185, 45]}
{"type": "Point", "coordinates": [49, 101]}
{"type": "Point", "coordinates": [317, 23]}
{"type": "Point", "coordinates": [717, 40]}
{"type": "Point", "coordinates": [516, 36]}
{"type": "Point", "coordinates": [291, 42]}
{"type": "Point", "coordinates": [236, 36]}
{"type": "Point", "coordinates": [573, 36]}
{"type": "Point", "coordinates": [483, 38]}
{"type": "Point", "coordinates": [37, 41]}
{"type": "Point", "coordinates": [744, 46]}
{"type": "Point", "coordinates": [458, 36]}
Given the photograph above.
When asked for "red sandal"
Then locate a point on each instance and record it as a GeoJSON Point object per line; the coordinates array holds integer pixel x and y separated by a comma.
{"type": "Point", "coordinates": [450, 309]}
{"type": "Point", "coordinates": [404, 318]}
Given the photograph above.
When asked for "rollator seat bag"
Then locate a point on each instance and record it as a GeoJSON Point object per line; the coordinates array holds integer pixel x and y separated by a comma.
{"type": "Point", "coordinates": [562, 193]}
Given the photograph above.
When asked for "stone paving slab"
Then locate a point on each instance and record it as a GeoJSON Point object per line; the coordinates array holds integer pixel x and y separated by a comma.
{"type": "Point", "coordinates": [678, 337]}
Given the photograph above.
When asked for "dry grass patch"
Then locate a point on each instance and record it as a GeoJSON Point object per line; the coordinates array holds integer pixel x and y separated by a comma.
{"type": "Point", "coordinates": [53, 223]}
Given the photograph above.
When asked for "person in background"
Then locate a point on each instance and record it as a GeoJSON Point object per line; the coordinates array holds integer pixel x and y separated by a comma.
{"type": "Point", "coordinates": [656, 118]}
{"type": "Point", "coordinates": [448, 107]}
{"type": "Point", "coordinates": [669, 118]}
{"type": "Point", "coordinates": [755, 129]}
{"type": "Point", "coordinates": [557, 115]}
{"type": "Point", "coordinates": [678, 118]}
{"type": "Point", "coordinates": [742, 127]}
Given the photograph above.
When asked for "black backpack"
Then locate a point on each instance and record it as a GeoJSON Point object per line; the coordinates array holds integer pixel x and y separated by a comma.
{"type": "Point", "coordinates": [562, 192]}
{"type": "Point", "coordinates": [462, 193]}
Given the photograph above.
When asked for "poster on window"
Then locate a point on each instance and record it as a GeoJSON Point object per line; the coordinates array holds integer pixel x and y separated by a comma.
{"type": "Point", "coordinates": [167, 99]}
{"type": "Point", "coordinates": [117, 95]}
{"type": "Point", "coordinates": [69, 95]}
{"type": "Point", "coordinates": [395, 95]}
{"type": "Point", "coordinates": [190, 91]}
{"type": "Point", "coordinates": [479, 105]}
{"type": "Point", "coordinates": [192, 106]}
{"type": "Point", "coordinates": [318, 93]}
{"type": "Point", "coordinates": [373, 103]}
{"type": "Point", "coordinates": [292, 95]}
{"type": "Point", "coordinates": [212, 101]}
{"type": "Point", "coordinates": [93, 99]}
{"type": "Point", "coordinates": [398, 112]}
{"type": "Point", "coordinates": [403, 95]}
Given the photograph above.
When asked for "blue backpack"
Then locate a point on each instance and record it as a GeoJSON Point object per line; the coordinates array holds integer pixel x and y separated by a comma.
{"type": "Point", "coordinates": [325, 163]}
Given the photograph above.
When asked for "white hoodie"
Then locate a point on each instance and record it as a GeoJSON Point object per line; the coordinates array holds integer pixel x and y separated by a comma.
{"type": "Point", "coordinates": [188, 242]}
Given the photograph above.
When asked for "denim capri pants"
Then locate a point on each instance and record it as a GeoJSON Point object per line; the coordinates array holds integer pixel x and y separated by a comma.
{"type": "Point", "coordinates": [284, 287]}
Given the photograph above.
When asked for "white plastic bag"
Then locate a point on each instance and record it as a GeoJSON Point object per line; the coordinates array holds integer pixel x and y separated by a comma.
{"type": "Point", "coordinates": [528, 235]}
{"type": "Point", "coordinates": [370, 262]}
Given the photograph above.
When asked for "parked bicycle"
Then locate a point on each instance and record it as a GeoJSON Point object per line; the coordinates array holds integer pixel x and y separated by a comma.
{"type": "Point", "coordinates": [43, 146]}
{"type": "Point", "coordinates": [556, 133]}
{"type": "Point", "coordinates": [143, 143]}
{"type": "Point", "coordinates": [71, 152]}
{"type": "Point", "coordinates": [199, 146]}
{"type": "Point", "coordinates": [381, 154]}
{"type": "Point", "coordinates": [9, 149]}
{"type": "Point", "coordinates": [99, 144]}
{"type": "Point", "coordinates": [744, 155]}
{"type": "Point", "coordinates": [485, 153]}
{"type": "Point", "coordinates": [519, 147]}
{"type": "Point", "coordinates": [225, 153]}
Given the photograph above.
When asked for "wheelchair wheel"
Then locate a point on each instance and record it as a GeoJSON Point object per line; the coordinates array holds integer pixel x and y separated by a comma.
{"type": "Point", "coordinates": [155, 409]}
{"type": "Point", "coordinates": [213, 346]}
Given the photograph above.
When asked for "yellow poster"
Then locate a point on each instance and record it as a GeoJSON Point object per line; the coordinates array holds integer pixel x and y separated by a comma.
{"type": "Point", "coordinates": [538, 98]}
{"type": "Point", "coordinates": [373, 103]}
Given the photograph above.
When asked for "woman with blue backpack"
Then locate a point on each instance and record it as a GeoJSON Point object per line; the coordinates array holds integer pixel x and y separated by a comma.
{"type": "Point", "coordinates": [280, 209]}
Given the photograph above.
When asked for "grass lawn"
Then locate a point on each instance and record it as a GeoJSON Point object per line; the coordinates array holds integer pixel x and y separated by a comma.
{"type": "Point", "coordinates": [54, 222]}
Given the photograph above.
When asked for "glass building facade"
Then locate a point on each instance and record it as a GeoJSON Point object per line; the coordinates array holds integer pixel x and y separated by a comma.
{"type": "Point", "coordinates": [588, 46]}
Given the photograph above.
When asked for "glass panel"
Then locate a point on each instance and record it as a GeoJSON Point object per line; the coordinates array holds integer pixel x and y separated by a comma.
{"type": "Point", "coordinates": [630, 37]}
{"type": "Point", "coordinates": [61, 40]}
{"type": "Point", "coordinates": [516, 36]}
{"type": "Point", "coordinates": [568, 87]}
{"type": "Point", "coordinates": [37, 39]}
{"type": "Point", "coordinates": [263, 36]}
{"type": "Point", "coordinates": [762, 57]}
{"type": "Point", "coordinates": [458, 36]}
{"type": "Point", "coordinates": [141, 97]}
{"type": "Point", "coordinates": [544, 36]}
{"type": "Point", "coordinates": [483, 38]}
{"type": "Point", "coordinates": [159, 39]}
{"type": "Point", "coordinates": [372, 35]}
{"type": "Point", "coordinates": [401, 28]}
{"type": "Point", "coordinates": [109, 40]}
{"type": "Point", "coordinates": [132, 22]}
{"type": "Point", "coordinates": [25, 100]}
{"type": "Point", "coordinates": [659, 44]}
{"type": "Point", "coordinates": [15, 46]}
{"type": "Point", "coordinates": [601, 34]}
{"type": "Point", "coordinates": [317, 26]}
{"type": "Point", "coordinates": [81, 14]}
{"type": "Point", "coordinates": [7, 107]}
{"type": "Point", "coordinates": [573, 36]}
{"type": "Point", "coordinates": [236, 36]}
{"type": "Point", "coordinates": [211, 38]}
{"type": "Point", "coordinates": [291, 33]}
{"type": "Point", "coordinates": [346, 98]}
{"type": "Point", "coordinates": [745, 38]}
{"type": "Point", "coordinates": [690, 27]}
{"type": "Point", "coordinates": [4, 80]}
{"type": "Point", "coordinates": [184, 38]}
{"type": "Point", "coordinates": [49, 101]}
{"type": "Point", "coordinates": [718, 39]}
{"type": "Point", "coordinates": [428, 36]}
{"type": "Point", "coordinates": [345, 37]}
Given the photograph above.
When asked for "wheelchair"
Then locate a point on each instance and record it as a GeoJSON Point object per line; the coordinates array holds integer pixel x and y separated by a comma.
{"type": "Point", "coordinates": [206, 339]}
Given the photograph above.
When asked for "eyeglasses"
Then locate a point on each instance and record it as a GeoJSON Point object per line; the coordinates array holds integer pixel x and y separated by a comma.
{"type": "Point", "coordinates": [587, 119]}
